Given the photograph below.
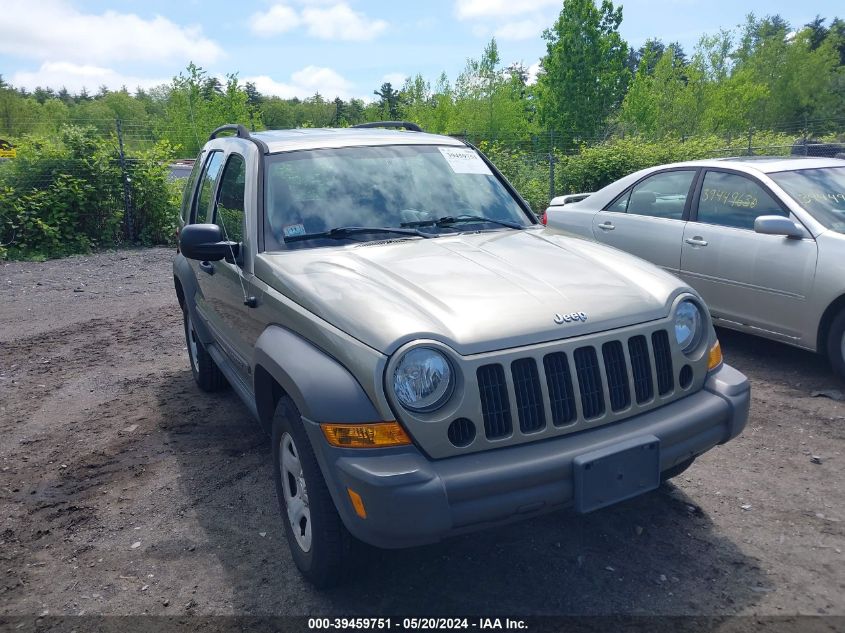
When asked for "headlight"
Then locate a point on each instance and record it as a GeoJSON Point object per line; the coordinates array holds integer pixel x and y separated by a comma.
{"type": "Point", "coordinates": [688, 325]}
{"type": "Point", "coordinates": [422, 380]}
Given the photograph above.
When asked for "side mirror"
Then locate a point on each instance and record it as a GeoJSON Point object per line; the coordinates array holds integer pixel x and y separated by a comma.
{"type": "Point", "coordinates": [777, 225]}
{"type": "Point", "coordinates": [205, 242]}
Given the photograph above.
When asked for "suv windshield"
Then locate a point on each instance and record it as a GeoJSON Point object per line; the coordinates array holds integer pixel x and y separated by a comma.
{"type": "Point", "coordinates": [820, 191]}
{"type": "Point", "coordinates": [416, 189]}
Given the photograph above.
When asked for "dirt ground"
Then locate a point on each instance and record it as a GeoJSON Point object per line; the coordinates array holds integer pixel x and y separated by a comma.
{"type": "Point", "coordinates": [125, 490]}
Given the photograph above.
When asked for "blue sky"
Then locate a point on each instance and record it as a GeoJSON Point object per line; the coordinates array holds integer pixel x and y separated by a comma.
{"type": "Point", "coordinates": [296, 47]}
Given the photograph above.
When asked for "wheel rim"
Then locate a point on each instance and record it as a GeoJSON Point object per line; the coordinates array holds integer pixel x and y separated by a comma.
{"type": "Point", "coordinates": [191, 338]}
{"type": "Point", "coordinates": [295, 492]}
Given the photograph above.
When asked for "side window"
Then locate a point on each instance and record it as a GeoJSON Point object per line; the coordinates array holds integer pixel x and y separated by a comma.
{"type": "Point", "coordinates": [734, 200]}
{"type": "Point", "coordinates": [620, 205]}
{"type": "Point", "coordinates": [229, 210]}
{"type": "Point", "coordinates": [209, 177]}
{"type": "Point", "coordinates": [189, 189]}
{"type": "Point", "coordinates": [663, 195]}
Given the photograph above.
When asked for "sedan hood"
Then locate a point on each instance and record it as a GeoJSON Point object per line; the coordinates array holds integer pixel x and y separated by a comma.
{"type": "Point", "coordinates": [476, 292]}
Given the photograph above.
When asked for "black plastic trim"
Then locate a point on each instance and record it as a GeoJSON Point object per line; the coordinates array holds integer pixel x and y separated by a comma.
{"type": "Point", "coordinates": [240, 131]}
{"type": "Point", "coordinates": [413, 127]}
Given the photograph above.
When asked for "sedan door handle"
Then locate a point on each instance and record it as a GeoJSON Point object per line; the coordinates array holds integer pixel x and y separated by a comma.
{"type": "Point", "coordinates": [696, 241]}
{"type": "Point", "coordinates": [607, 226]}
{"type": "Point", "coordinates": [207, 267]}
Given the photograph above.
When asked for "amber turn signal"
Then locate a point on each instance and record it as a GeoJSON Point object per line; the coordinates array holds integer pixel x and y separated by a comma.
{"type": "Point", "coordinates": [357, 503]}
{"type": "Point", "coordinates": [373, 435]}
{"type": "Point", "coordinates": [714, 359]}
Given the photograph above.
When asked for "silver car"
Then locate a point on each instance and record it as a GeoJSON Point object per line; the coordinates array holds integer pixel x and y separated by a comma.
{"type": "Point", "coordinates": [761, 239]}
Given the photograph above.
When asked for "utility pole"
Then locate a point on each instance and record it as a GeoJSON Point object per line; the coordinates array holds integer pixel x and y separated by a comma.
{"type": "Point", "coordinates": [551, 164]}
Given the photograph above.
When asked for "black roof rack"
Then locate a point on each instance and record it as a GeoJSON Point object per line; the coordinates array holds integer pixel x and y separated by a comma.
{"type": "Point", "coordinates": [413, 127]}
{"type": "Point", "coordinates": [240, 131]}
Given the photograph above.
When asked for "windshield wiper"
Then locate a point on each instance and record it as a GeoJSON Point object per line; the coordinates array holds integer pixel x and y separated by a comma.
{"type": "Point", "coordinates": [451, 220]}
{"type": "Point", "coordinates": [343, 232]}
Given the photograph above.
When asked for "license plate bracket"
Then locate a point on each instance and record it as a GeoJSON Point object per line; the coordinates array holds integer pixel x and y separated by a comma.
{"type": "Point", "coordinates": [616, 473]}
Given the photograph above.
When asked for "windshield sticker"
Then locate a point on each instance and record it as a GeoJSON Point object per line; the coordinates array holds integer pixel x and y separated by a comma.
{"type": "Point", "coordinates": [292, 230]}
{"type": "Point", "coordinates": [464, 160]}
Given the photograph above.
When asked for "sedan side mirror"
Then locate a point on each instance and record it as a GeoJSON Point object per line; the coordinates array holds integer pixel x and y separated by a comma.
{"type": "Point", "coordinates": [777, 225]}
{"type": "Point", "coordinates": [205, 242]}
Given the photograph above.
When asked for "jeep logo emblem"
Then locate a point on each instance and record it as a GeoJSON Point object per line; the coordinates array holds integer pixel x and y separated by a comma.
{"type": "Point", "coordinates": [560, 319]}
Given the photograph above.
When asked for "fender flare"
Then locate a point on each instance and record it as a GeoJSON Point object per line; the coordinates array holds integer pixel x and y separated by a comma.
{"type": "Point", "coordinates": [322, 389]}
{"type": "Point", "coordinates": [183, 276]}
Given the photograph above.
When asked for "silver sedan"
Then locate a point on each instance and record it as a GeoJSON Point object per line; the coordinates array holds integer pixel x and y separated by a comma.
{"type": "Point", "coordinates": [761, 238]}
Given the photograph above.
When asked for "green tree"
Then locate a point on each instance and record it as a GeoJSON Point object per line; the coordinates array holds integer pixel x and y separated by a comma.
{"type": "Point", "coordinates": [389, 101]}
{"type": "Point", "coordinates": [195, 104]}
{"type": "Point", "coordinates": [584, 73]}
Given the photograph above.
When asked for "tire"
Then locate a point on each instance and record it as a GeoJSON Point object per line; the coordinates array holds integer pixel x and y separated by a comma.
{"type": "Point", "coordinates": [676, 470]}
{"type": "Point", "coordinates": [319, 543]}
{"type": "Point", "coordinates": [206, 373]}
{"type": "Point", "coordinates": [836, 344]}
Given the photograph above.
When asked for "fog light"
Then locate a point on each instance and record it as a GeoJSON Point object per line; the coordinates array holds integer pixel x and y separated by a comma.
{"type": "Point", "coordinates": [373, 435]}
{"type": "Point", "coordinates": [714, 359]}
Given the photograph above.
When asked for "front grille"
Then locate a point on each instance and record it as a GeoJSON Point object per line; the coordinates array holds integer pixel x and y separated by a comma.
{"type": "Point", "coordinates": [663, 362]}
{"type": "Point", "coordinates": [589, 382]}
{"type": "Point", "coordinates": [529, 399]}
{"type": "Point", "coordinates": [561, 394]}
{"type": "Point", "coordinates": [601, 379]}
{"type": "Point", "coordinates": [495, 406]}
{"type": "Point", "coordinates": [641, 369]}
{"type": "Point", "coordinates": [617, 375]}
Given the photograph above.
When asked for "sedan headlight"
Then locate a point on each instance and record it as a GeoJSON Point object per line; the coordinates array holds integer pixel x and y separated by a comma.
{"type": "Point", "coordinates": [423, 379]}
{"type": "Point", "coordinates": [688, 325]}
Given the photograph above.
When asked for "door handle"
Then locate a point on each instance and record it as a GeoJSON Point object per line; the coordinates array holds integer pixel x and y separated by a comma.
{"type": "Point", "coordinates": [696, 241]}
{"type": "Point", "coordinates": [607, 226]}
{"type": "Point", "coordinates": [207, 267]}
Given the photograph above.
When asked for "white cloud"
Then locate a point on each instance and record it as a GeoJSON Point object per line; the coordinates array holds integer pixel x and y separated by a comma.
{"type": "Point", "coordinates": [75, 77]}
{"type": "Point", "coordinates": [304, 83]}
{"type": "Point", "coordinates": [277, 19]}
{"type": "Point", "coordinates": [395, 79]}
{"type": "Point", "coordinates": [471, 9]}
{"type": "Point", "coordinates": [521, 30]}
{"type": "Point", "coordinates": [533, 71]}
{"type": "Point", "coordinates": [53, 29]}
{"type": "Point", "coordinates": [336, 22]}
{"type": "Point", "coordinates": [340, 22]}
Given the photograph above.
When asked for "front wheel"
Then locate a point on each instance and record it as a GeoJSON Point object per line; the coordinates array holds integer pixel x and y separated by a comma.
{"type": "Point", "coordinates": [206, 373]}
{"type": "Point", "coordinates": [319, 542]}
{"type": "Point", "coordinates": [836, 344]}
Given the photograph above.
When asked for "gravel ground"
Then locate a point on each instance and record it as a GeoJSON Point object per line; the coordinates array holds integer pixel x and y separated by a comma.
{"type": "Point", "coordinates": [127, 491]}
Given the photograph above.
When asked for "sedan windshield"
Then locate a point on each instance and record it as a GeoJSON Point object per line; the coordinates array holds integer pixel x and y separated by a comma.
{"type": "Point", "coordinates": [328, 197]}
{"type": "Point", "coordinates": [820, 191]}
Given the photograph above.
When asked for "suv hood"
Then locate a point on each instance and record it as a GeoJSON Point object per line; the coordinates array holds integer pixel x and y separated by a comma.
{"type": "Point", "coordinates": [476, 292]}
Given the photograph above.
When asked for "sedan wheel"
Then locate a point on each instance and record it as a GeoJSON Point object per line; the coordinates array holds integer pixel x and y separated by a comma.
{"type": "Point", "coordinates": [836, 344]}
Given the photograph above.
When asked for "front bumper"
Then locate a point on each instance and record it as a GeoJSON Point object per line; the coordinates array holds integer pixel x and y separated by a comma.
{"type": "Point", "coordinates": [411, 500]}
